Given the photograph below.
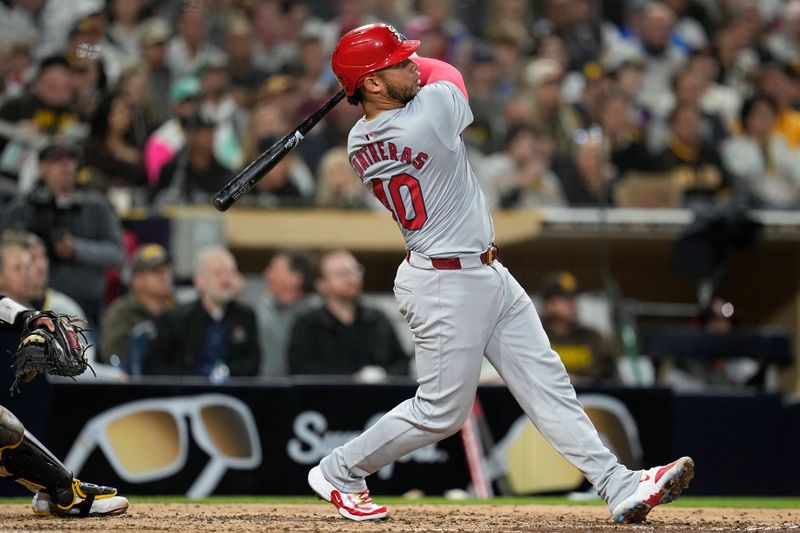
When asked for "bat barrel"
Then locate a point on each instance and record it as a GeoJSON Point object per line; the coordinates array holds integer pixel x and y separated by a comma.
{"type": "Point", "coordinates": [247, 178]}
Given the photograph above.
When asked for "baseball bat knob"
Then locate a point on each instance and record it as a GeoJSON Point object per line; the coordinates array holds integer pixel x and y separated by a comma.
{"type": "Point", "coordinates": [220, 203]}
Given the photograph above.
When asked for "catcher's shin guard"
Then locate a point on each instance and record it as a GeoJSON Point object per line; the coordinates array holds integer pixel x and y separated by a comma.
{"type": "Point", "coordinates": [26, 460]}
{"type": "Point", "coordinates": [11, 429]}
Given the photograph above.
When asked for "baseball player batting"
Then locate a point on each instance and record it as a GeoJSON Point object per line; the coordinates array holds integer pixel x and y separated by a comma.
{"type": "Point", "coordinates": [26, 460]}
{"type": "Point", "coordinates": [460, 302]}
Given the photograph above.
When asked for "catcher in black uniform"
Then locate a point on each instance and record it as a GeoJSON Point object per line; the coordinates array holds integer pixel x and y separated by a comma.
{"type": "Point", "coordinates": [49, 344]}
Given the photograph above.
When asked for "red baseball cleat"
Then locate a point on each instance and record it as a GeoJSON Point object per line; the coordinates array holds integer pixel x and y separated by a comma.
{"type": "Point", "coordinates": [658, 485]}
{"type": "Point", "coordinates": [355, 506]}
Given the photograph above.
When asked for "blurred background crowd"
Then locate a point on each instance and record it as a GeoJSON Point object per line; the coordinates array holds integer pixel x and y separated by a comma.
{"type": "Point", "coordinates": [573, 100]}
{"type": "Point", "coordinates": [118, 106]}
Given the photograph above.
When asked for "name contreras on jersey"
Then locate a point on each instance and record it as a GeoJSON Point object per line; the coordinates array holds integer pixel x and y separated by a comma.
{"type": "Point", "coordinates": [386, 151]}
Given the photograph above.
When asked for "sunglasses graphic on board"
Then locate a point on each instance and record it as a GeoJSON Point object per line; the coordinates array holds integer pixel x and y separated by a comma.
{"type": "Point", "coordinates": [148, 440]}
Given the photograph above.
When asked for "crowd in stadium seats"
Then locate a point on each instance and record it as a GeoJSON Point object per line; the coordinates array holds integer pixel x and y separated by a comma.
{"type": "Point", "coordinates": [112, 105]}
{"type": "Point", "coordinates": [168, 98]}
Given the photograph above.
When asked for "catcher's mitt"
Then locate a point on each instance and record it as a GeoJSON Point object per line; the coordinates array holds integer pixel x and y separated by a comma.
{"type": "Point", "coordinates": [60, 353]}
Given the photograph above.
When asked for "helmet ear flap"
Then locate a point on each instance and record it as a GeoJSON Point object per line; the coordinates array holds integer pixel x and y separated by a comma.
{"type": "Point", "coordinates": [366, 49]}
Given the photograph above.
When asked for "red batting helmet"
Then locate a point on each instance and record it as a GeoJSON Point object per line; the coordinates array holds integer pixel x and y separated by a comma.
{"type": "Point", "coordinates": [364, 50]}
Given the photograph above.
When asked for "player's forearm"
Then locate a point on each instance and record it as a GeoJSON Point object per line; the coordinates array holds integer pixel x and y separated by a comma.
{"type": "Point", "coordinates": [12, 313]}
{"type": "Point", "coordinates": [433, 70]}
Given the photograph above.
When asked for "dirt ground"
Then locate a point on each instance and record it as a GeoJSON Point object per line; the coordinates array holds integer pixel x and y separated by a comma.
{"type": "Point", "coordinates": [405, 518]}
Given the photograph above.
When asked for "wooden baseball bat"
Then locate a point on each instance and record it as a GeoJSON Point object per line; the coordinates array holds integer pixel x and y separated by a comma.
{"type": "Point", "coordinates": [247, 177]}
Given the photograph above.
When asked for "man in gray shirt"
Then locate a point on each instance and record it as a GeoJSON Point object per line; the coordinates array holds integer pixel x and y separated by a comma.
{"type": "Point", "coordinates": [82, 233]}
{"type": "Point", "coordinates": [288, 281]}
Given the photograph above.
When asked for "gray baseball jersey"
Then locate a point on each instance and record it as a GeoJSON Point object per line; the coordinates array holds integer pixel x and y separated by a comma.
{"type": "Point", "coordinates": [415, 161]}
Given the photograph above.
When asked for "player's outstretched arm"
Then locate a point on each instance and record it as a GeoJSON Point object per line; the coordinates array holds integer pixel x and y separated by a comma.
{"type": "Point", "coordinates": [433, 70]}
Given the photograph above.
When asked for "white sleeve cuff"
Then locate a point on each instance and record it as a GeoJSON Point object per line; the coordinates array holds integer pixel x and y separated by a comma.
{"type": "Point", "coordinates": [9, 310]}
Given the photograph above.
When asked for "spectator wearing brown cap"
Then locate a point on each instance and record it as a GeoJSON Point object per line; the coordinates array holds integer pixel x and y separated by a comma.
{"type": "Point", "coordinates": [150, 293]}
{"type": "Point", "coordinates": [95, 64]}
{"type": "Point", "coordinates": [587, 356]}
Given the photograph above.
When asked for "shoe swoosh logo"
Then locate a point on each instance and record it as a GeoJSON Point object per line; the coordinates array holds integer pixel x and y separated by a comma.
{"type": "Point", "coordinates": [645, 478]}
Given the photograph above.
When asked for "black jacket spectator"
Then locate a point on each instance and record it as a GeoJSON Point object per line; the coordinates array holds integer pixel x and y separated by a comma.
{"type": "Point", "coordinates": [694, 164]}
{"type": "Point", "coordinates": [180, 339]}
{"type": "Point", "coordinates": [50, 107]}
{"type": "Point", "coordinates": [321, 344]}
{"type": "Point", "coordinates": [50, 119]}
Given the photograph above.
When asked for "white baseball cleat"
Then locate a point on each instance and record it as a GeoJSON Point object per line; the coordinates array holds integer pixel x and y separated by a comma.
{"type": "Point", "coordinates": [661, 484]}
{"type": "Point", "coordinates": [90, 500]}
{"type": "Point", "coordinates": [355, 506]}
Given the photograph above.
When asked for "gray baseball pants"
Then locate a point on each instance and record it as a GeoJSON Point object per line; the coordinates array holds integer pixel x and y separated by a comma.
{"type": "Point", "coordinates": [456, 317]}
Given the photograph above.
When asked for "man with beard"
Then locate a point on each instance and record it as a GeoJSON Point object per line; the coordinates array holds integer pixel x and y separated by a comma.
{"type": "Point", "coordinates": [343, 335]}
{"type": "Point", "coordinates": [213, 334]}
{"type": "Point", "coordinates": [460, 302]}
{"type": "Point", "coordinates": [587, 356]}
{"type": "Point", "coordinates": [129, 321]}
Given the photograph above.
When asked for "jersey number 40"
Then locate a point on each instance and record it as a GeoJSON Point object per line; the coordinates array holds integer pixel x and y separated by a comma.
{"type": "Point", "coordinates": [399, 212]}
